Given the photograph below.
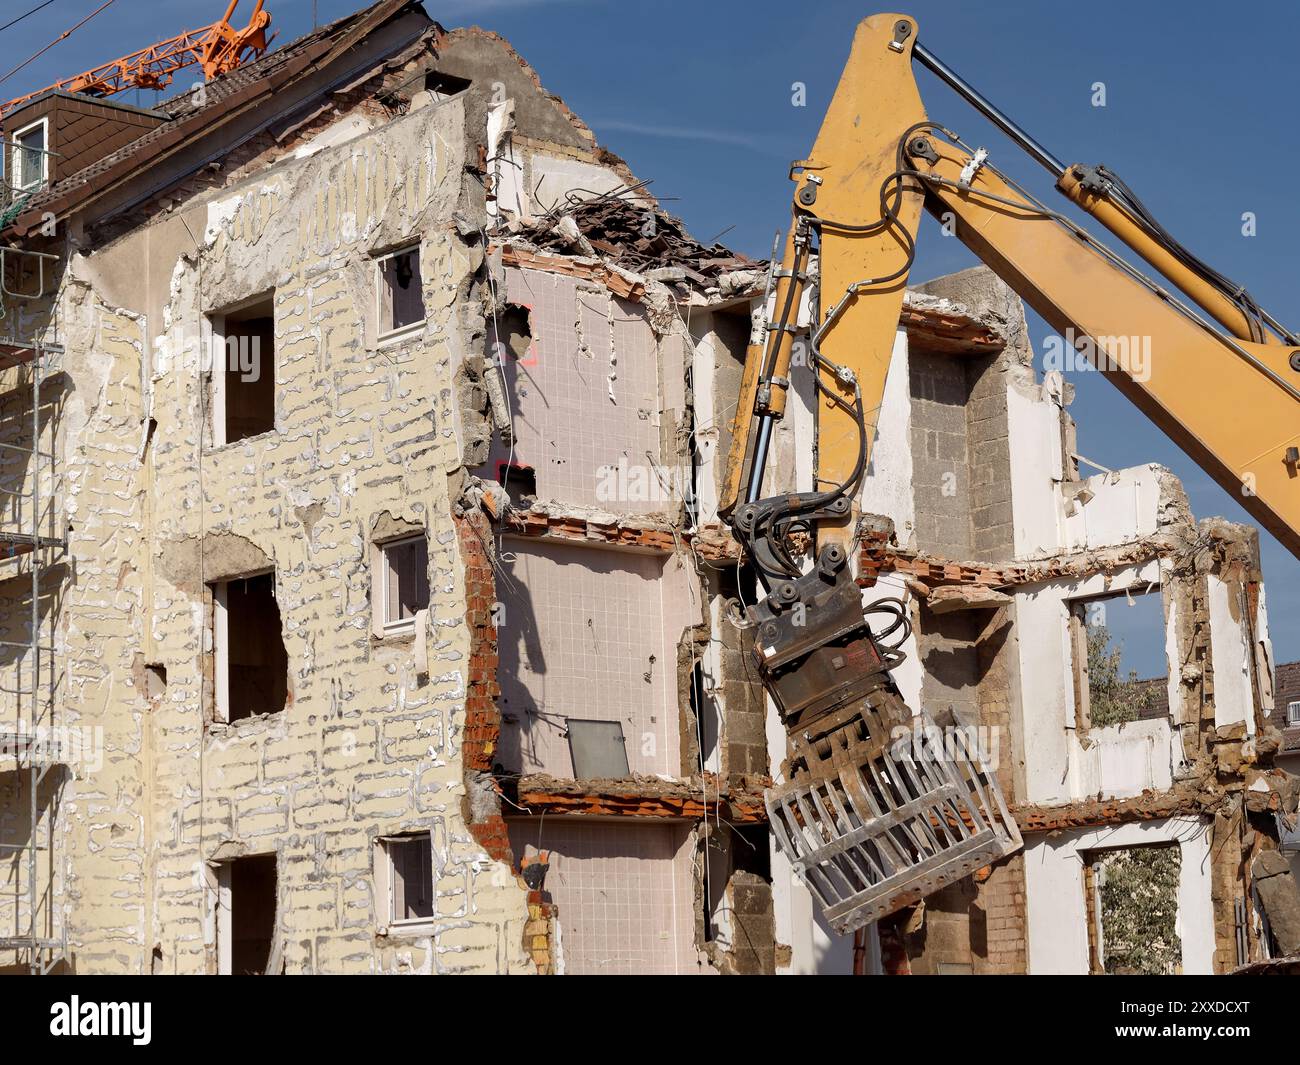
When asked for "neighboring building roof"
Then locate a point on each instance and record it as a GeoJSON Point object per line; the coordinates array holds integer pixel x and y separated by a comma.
{"type": "Point", "coordinates": [1288, 683]}
{"type": "Point", "coordinates": [1159, 704]}
{"type": "Point", "coordinates": [1287, 690]}
{"type": "Point", "coordinates": [224, 96]}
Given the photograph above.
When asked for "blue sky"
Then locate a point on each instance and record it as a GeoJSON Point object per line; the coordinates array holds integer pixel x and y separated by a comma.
{"type": "Point", "coordinates": [1199, 119]}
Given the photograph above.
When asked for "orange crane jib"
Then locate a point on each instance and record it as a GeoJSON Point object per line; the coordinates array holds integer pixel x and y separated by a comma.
{"type": "Point", "coordinates": [217, 48]}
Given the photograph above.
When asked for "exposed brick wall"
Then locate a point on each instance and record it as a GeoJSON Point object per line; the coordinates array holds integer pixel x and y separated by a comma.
{"type": "Point", "coordinates": [753, 951]}
{"type": "Point", "coordinates": [989, 449]}
{"type": "Point", "coordinates": [745, 750]}
{"type": "Point", "coordinates": [977, 922]}
{"type": "Point", "coordinates": [482, 717]}
{"type": "Point", "coordinates": [1227, 876]}
{"type": "Point", "coordinates": [893, 946]}
{"type": "Point", "coordinates": [941, 470]}
{"type": "Point", "coordinates": [1002, 901]}
{"type": "Point", "coordinates": [539, 932]}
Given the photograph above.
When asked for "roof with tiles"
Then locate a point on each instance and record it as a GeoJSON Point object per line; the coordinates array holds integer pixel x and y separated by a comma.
{"type": "Point", "coordinates": [187, 121]}
{"type": "Point", "coordinates": [1287, 691]}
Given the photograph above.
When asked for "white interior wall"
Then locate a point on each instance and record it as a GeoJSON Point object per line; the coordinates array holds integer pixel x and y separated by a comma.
{"type": "Point", "coordinates": [1124, 507]}
{"type": "Point", "coordinates": [1231, 653]}
{"type": "Point", "coordinates": [1120, 760]}
{"type": "Point", "coordinates": [1056, 907]}
{"type": "Point", "coordinates": [887, 487]}
{"type": "Point", "coordinates": [1034, 435]}
{"type": "Point", "coordinates": [704, 357]}
{"type": "Point", "coordinates": [580, 625]}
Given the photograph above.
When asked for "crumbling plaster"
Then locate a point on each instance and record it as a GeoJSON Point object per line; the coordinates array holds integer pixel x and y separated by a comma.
{"type": "Point", "coordinates": [371, 743]}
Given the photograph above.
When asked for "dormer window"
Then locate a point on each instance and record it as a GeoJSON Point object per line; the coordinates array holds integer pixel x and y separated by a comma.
{"type": "Point", "coordinates": [29, 155]}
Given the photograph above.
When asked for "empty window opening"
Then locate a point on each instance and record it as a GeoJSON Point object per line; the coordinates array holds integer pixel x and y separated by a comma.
{"type": "Point", "coordinates": [406, 878]}
{"type": "Point", "coordinates": [510, 335]}
{"type": "Point", "coordinates": [1120, 660]}
{"type": "Point", "coordinates": [401, 295]}
{"type": "Point", "coordinates": [404, 577]}
{"type": "Point", "coordinates": [444, 85]}
{"type": "Point", "coordinates": [706, 714]}
{"type": "Point", "coordinates": [520, 482]}
{"type": "Point", "coordinates": [1132, 906]}
{"type": "Point", "coordinates": [30, 156]}
{"type": "Point", "coordinates": [246, 904]}
{"type": "Point", "coordinates": [252, 665]}
{"type": "Point", "coordinates": [243, 371]}
{"type": "Point", "coordinates": [752, 851]}
{"type": "Point", "coordinates": [738, 897]}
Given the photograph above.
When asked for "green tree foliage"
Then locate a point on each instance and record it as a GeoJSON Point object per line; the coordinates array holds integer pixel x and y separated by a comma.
{"type": "Point", "coordinates": [1112, 698]}
{"type": "Point", "coordinates": [1138, 891]}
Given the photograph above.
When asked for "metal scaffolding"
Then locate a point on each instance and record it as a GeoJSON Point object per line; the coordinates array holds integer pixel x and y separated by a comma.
{"type": "Point", "coordinates": [34, 750]}
{"type": "Point", "coordinates": [33, 746]}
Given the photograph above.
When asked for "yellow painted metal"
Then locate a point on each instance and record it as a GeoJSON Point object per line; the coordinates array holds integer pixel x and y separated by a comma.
{"type": "Point", "coordinates": [740, 456]}
{"type": "Point", "coordinates": [856, 149]}
{"type": "Point", "coordinates": [1118, 221]}
{"type": "Point", "coordinates": [1229, 401]}
{"type": "Point", "coordinates": [1230, 404]}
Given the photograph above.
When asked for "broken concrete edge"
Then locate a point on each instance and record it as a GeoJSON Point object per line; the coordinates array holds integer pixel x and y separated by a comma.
{"type": "Point", "coordinates": [738, 800]}
{"type": "Point", "coordinates": [647, 531]}
{"type": "Point", "coordinates": [1275, 884]}
{"type": "Point", "coordinates": [583, 267]}
{"type": "Point", "coordinates": [1215, 539]}
{"type": "Point", "coordinates": [939, 325]}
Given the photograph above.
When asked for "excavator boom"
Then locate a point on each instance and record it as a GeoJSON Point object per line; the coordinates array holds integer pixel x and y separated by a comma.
{"type": "Point", "coordinates": [871, 822]}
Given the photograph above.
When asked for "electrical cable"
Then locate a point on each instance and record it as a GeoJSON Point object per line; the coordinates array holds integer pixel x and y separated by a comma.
{"type": "Point", "coordinates": [1128, 200]}
{"type": "Point", "coordinates": [61, 37]}
{"type": "Point", "coordinates": [14, 22]}
{"type": "Point", "coordinates": [776, 525]}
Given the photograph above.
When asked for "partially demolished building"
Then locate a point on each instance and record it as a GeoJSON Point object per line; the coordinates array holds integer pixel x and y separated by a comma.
{"type": "Point", "coordinates": [366, 607]}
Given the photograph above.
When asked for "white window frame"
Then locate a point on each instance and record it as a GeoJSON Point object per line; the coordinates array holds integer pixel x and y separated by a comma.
{"type": "Point", "coordinates": [403, 625]}
{"type": "Point", "coordinates": [220, 653]}
{"type": "Point", "coordinates": [390, 336]}
{"type": "Point", "coordinates": [219, 912]}
{"type": "Point", "coordinates": [385, 903]}
{"type": "Point", "coordinates": [1293, 712]}
{"type": "Point", "coordinates": [21, 184]}
{"type": "Point", "coordinates": [216, 340]}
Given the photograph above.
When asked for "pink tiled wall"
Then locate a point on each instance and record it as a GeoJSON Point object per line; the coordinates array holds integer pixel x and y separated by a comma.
{"type": "Point", "coordinates": [566, 425]}
{"type": "Point", "coordinates": [624, 892]}
{"type": "Point", "coordinates": [590, 633]}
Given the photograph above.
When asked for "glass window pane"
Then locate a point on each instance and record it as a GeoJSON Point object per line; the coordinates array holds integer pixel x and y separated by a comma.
{"type": "Point", "coordinates": [401, 297]}
{"type": "Point", "coordinates": [407, 579]}
{"type": "Point", "coordinates": [31, 157]}
{"type": "Point", "coordinates": [412, 861]}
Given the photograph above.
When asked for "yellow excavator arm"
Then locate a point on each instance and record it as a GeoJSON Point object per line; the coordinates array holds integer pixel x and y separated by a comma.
{"type": "Point", "coordinates": [869, 822]}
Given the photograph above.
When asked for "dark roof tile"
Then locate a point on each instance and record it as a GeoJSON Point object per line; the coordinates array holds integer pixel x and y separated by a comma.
{"type": "Point", "coordinates": [182, 113]}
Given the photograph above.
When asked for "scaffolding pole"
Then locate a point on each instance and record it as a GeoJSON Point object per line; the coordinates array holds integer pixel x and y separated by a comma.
{"type": "Point", "coordinates": [31, 540]}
